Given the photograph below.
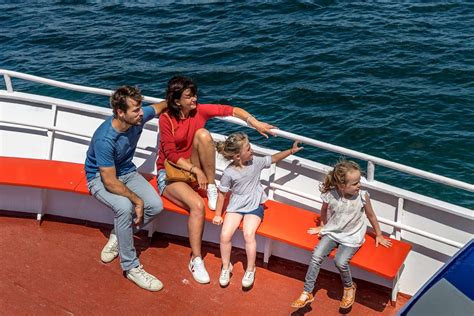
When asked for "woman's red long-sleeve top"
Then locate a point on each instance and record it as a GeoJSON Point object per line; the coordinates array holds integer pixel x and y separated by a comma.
{"type": "Point", "coordinates": [179, 144]}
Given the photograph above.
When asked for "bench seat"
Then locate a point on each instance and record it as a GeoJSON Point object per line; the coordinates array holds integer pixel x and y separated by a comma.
{"type": "Point", "coordinates": [282, 222]}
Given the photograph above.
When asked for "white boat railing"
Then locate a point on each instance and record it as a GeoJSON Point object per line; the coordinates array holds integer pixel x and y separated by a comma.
{"type": "Point", "coordinates": [397, 225]}
{"type": "Point", "coordinates": [52, 129]}
{"type": "Point", "coordinates": [372, 161]}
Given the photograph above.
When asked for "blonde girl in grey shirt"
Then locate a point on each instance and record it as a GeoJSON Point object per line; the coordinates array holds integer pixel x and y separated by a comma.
{"type": "Point", "coordinates": [242, 179]}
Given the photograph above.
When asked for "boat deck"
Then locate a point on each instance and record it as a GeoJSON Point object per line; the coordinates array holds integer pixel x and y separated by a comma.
{"type": "Point", "coordinates": [55, 268]}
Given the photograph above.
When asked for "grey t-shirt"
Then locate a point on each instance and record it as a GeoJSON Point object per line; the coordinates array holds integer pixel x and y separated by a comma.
{"type": "Point", "coordinates": [247, 192]}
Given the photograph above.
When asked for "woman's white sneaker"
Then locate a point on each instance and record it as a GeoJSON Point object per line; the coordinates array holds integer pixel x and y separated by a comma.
{"type": "Point", "coordinates": [110, 250]}
{"type": "Point", "coordinates": [224, 278]}
{"type": "Point", "coordinates": [248, 279]}
{"type": "Point", "coordinates": [199, 271]}
{"type": "Point", "coordinates": [212, 196]}
{"type": "Point", "coordinates": [144, 279]}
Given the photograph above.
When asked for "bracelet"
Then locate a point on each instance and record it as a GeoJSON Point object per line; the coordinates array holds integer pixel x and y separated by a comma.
{"type": "Point", "coordinates": [248, 118]}
{"type": "Point", "coordinates": [291, 151]}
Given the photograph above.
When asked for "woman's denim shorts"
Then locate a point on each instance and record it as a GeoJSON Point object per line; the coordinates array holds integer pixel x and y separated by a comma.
{"type": "Point", "coordinates": [161, 179]}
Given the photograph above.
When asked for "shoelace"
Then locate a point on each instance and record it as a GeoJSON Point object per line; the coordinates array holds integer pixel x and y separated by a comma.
{"type": "Point", "coordinates": [199, 267]}
{"type": "Point", "coordinates": [148, 278]}
{"type": "Point", "coordinates": [212, 192]}
{"type": "Point", "coordinates": [225, 274]}
{"type": "Point", "coordinates": [113, 246]}
{"type": "Point", "coordinates": [248, 275]}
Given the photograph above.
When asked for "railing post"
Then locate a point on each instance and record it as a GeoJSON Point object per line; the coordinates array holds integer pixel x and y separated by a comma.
{"type": "Point", "coordinates": [397, 231]}
{"type": "Point", "coordinates": [8, 83]}
{"type": "Point", "coordinates": [51, 133]}
{"type": "Point", "coordinates": [271, 179]}
{"type": "Point", "coordinates": [370, 171]}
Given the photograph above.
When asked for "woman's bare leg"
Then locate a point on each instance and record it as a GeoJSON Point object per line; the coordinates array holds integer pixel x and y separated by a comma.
{"type": "Point", "coordinates": [183, 195]}
{"type": "Point", "coordinates": [204, 154]}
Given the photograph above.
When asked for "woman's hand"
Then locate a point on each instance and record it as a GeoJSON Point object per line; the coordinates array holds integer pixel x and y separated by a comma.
{"type": "Point", "coordinates": [382, 241]}
{"type": "Point", "coordinates": [314, 230]}
{"type": "Point", "coordinates": [217, 220]}
{"type": "Point", "coordinates": [201, 178]}
{"type": "Point", "coordinates": [261, 127]}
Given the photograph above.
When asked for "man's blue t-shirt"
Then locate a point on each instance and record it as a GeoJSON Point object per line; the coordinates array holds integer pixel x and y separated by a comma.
{"type": "Point", "coordinates": [110, 148]}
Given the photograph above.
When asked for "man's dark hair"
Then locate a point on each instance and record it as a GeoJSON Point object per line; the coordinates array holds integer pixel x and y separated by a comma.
{"type": "Point", "coordinates": [119, 98]}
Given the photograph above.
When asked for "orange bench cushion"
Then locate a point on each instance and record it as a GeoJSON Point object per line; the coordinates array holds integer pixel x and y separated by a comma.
{"type": "Point", "coordinates": [282, 222]}
{"type": "Point", "coordinates": [37, 173]}
{"type": "Point", "coordinates": [289, 224]}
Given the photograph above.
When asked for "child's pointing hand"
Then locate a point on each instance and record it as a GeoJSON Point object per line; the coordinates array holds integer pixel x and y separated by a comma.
{"type": "Point", "coordinates": [314, 230]}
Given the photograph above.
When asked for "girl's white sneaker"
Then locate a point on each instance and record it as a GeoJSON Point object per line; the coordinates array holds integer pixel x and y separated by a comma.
{"type": "Point", "coordinates": [224, 278]}
{"type": "Point", "coordinates": [248, 279]}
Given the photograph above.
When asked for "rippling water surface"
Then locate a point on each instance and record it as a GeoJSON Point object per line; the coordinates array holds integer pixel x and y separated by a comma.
{"type": "Point", "coordinates": [392, 80]}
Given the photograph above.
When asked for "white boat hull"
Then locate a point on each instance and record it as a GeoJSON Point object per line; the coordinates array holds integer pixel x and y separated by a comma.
{"type": "Point", "coordinates": [72, 124]}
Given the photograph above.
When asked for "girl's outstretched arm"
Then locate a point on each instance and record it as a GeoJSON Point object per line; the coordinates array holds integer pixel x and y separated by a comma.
{"type": "Point", "coordinates": [369, 211]}
{"type": "Point", "coordinates": [220, 204]}
{"type": "Point", "coordinates": [285, 153]}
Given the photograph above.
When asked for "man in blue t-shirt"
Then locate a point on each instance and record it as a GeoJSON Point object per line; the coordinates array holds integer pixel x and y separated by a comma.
{"type": "Point", "coordinates": [113, 179]}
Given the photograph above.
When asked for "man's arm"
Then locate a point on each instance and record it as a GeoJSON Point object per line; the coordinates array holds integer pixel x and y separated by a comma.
{"type": "Point", "coordinates": [159, 107]}
{"type": "Point", "coordinates": [113, 185]}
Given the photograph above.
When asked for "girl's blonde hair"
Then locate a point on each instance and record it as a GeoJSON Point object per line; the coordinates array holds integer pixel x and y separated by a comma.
{"type": "Point", "coordinates": [337, 176]}
{"type": "Point", "coordinates": [232, 145]}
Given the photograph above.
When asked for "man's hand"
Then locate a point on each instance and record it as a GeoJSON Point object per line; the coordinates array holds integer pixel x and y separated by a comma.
{"type": "Point", "coordinates": [139, 212]}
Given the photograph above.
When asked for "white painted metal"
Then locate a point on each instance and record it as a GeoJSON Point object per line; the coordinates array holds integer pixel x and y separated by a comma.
{"type": "Point", "coordinates": [370, 171]}
{"type": "Point", "coordinates": [8, 82]}
{"type": "Point", "coordinates": [348, 152]}
{"type": "Point", "coordinates": [435, 228]}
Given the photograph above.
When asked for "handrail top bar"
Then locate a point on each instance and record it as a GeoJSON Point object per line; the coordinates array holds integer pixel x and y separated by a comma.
{"type": "Point", "coordinates": [277, 132]}
{"type": "Point", "coordinates": [68, 86]}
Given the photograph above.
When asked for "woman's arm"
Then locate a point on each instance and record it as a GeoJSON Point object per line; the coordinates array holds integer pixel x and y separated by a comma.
{"type": "Point", "coordinates": [369, 211]}
{"type": "Point", "coordinates": [262, 127]}
{"type": "Point", "coordinates": [285, 153]}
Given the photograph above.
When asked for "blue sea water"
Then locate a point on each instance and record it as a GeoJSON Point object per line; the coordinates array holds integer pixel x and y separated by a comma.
{"type": "Point", "coordinates": [390, 79]}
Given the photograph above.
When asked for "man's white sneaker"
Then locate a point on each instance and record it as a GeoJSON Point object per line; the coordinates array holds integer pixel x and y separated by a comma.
{"type": "Point", "coordinates": [110, 250]}
{"type": "Point", "coordinates": [212, 196]}
{"type": "Point", "coordinates": [199, 271]}
{"type": "Point", "coordinates": [144, 279]}
{"type": "Point", "coordinates": [224, 278]}
{"type": "Point", "coordinates": [248, 279]}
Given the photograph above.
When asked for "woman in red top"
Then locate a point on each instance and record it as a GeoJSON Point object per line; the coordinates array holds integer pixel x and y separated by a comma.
{"type": "Point", "coordinates": [185, 141]}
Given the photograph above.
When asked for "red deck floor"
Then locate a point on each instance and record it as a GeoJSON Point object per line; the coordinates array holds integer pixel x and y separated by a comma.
{"type": "Point", "coordinates": [55, 269]}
